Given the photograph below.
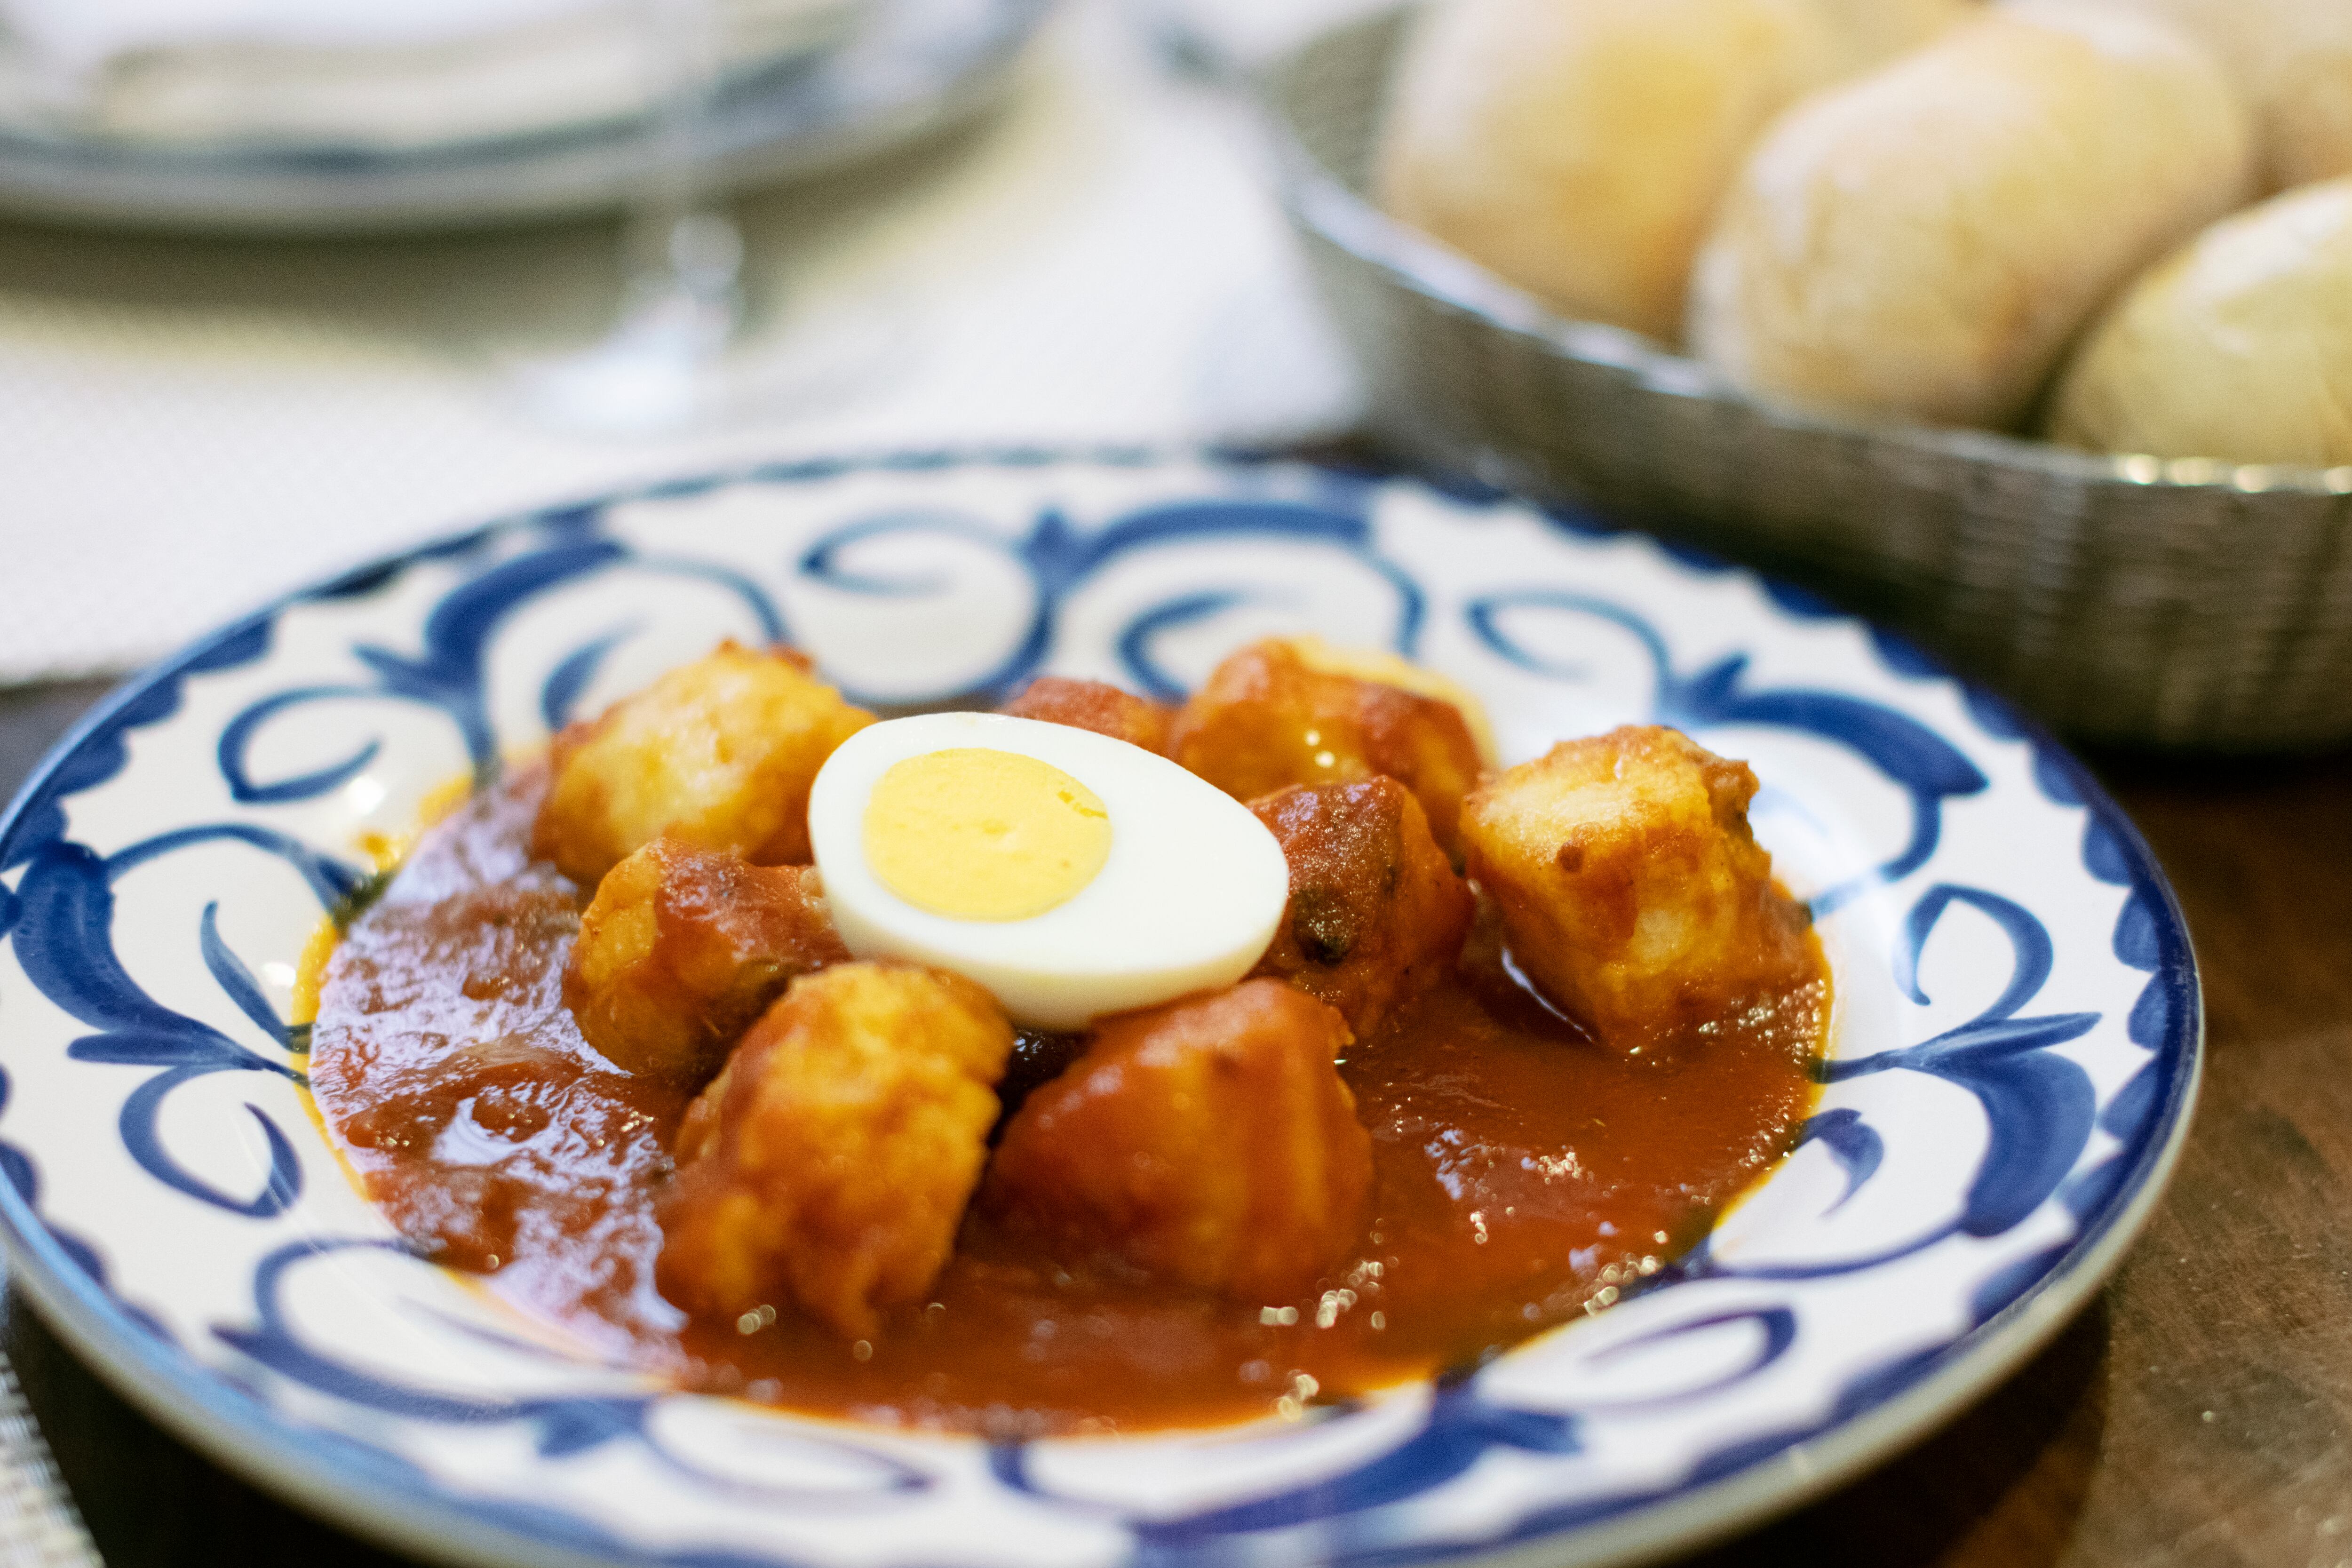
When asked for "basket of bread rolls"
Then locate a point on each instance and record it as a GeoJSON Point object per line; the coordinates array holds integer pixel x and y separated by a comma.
{"type": "Point", "coordinates": [2022, 325]}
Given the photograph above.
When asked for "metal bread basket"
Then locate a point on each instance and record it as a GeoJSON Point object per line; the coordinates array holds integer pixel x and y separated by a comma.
{"type": "Point", "coordinates": [2129, 600]}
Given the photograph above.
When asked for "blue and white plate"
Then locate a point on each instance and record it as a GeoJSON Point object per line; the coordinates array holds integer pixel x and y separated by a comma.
{"type": "Point", "coordinates": [2016, 1046]}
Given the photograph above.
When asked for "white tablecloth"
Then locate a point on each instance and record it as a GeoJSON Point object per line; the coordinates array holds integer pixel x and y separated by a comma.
{"type": "Point", "coordinates": [189, 427]}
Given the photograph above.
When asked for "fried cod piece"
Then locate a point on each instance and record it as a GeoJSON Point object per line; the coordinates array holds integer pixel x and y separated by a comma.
{"type": "Point", "coordinates": [1092, 705]}
{"type": "Point", "coordinates": [829, 1164]}
{"type": "Point", "coordinates": [683, 947]}
{"type": "Point", "coordinates": [1209, 1144]}
{"type": "Point", "coordinates": [1295, 711]}
{"type": "Point", "coordinates": [1629, 886]}
{"type": "Point", "coordinates": [719, 754]}
{"type": "Point", "coordinates": [1376, 912]}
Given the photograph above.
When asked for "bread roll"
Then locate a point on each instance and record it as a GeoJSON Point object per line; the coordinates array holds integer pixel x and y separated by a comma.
{"type": "Point", "coordinates": [2238, 346]}
{"type": "Point", "coordinates": [2293, 60]}
{"type": "Point", "coordinates": [1576, 147]}
{"type": "Point", "coordinates": [1923, 241]}
{"type": "Point", "coordinates": [1869, 33]}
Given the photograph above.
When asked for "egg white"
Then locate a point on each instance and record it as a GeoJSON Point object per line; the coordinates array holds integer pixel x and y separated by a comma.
{"type": "Point", "coordinates": [1188, 899]}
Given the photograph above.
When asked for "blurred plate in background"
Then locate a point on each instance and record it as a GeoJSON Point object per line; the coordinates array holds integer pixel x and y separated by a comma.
{"type": "Point", "coordinates": [176, 76]}
{"type": "Point", "coordinates": [900, 69]}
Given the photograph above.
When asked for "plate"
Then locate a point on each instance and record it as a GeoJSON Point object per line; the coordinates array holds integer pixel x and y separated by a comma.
{"type": "Point", "coordinates": [910, 67]}
{"type": "Point", "coordinates": [2015, 1052]}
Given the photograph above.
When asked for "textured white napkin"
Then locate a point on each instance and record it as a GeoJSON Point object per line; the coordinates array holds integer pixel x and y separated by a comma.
{"type": "Point", "coordinates": [189, 427]}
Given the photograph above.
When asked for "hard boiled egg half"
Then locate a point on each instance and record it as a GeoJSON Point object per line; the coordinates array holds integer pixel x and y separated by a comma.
{"type": "Point", "coordinates": [1071, 874]}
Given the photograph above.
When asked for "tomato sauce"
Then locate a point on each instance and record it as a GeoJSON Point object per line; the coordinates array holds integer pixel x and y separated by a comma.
{"type": "Point", "coordinates": [1525, 1177]}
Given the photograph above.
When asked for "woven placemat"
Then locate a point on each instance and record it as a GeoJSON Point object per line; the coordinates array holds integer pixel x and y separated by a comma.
{"type": "Point", "coordinates": [40, 1527]}
{"type": "Point", "coordinates": [187, 427]}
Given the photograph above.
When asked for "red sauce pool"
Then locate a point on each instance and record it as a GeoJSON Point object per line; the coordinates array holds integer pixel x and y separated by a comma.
{"type": "Point", "coordinates": [1523, 1177]}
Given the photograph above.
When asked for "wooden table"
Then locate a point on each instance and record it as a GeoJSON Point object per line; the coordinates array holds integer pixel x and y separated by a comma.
{"type": "Point", "coordinates": [2198, 1413]}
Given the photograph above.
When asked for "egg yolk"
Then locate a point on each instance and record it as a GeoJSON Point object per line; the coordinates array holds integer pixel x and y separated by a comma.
{"type": "Point", "coordinates": [982, 835]}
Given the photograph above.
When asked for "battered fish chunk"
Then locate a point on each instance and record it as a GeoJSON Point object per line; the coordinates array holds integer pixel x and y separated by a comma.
{"type": "Point", "coordinates": [1208, 1143]}
{"type": "Point", "coordinates": [1091, 705]}
{"type": "Point", "coordinates": [719, 754]}
{"type": "Point", "coordinates": [1630, 888]}
{"type": "Point", "coordinates": [1376, 912]}
{"type": "Point", "coordinates": [829, 1164]}
{"type": "Point", "coordinates": [683, 947]}
{"type": "Point", "coordinates": [1269, 717]}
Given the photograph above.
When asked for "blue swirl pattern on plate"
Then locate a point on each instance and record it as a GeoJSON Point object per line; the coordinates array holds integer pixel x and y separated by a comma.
{"type": "Point", "coordinates": [2018, 1043]}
